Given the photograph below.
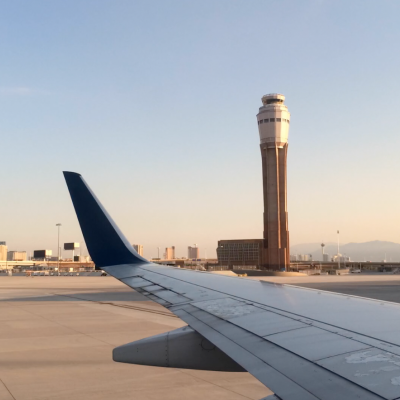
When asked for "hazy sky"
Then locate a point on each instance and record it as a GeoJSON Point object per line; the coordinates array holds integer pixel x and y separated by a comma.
{"type": "Point", "coordinates": [155, 103]}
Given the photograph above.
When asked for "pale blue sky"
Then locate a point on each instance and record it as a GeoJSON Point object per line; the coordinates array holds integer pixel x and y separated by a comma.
{"type": "Point", "coordinates": [154, 102]}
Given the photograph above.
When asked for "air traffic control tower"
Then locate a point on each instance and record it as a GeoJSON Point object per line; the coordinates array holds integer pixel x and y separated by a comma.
{"type": "Point", "coordinates": [273, 125]}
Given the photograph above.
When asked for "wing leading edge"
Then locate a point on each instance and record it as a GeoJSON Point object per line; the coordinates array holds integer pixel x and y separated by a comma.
{"type": "Point", "coordinates": [303, 344]}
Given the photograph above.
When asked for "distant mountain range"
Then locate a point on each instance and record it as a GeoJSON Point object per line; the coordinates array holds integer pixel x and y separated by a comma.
{"type": "Point", "coordinates": [376, 250]}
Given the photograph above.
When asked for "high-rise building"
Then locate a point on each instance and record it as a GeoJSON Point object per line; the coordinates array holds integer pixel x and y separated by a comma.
{"type": "Point", "coordinates": [3, 251]}
{"type": "Point", "coordinates": [193, 252]}
{"type": "Point", "coordinates": [16, 255]}
{"type": "Point", "coordinates": [138, 248]}
{"type": "Point", "coordinates": [170, 253]}
{"type": "Point", "coordinates": [273, 126]}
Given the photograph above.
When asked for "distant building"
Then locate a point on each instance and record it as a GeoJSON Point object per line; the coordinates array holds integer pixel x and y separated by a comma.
{"type": "Point", "coordinates": [193, 252]}
{"type": "Point", "coordinates": [138, 248]}
{"type": "Point", "coordinates": [170, 253]}
{"type": "Point", "coordinates": [325, 257]}
{"type": "Point", "coordinates": [16, 256]}
{"type": "Point", "coordinates": [234, 253]}
{"type": "Point", "coordinates": [340, 258]}
{"type": "Point", "coordinates": [3, 251]}
{"type": "Point", "coordinates": [71, 246]}
{"type": "Point", "coordinates": [300, 257]}
{"type": "Point", "coordinates": [42, 254]}
{"type": "Point", "coordinates": [81, 258]}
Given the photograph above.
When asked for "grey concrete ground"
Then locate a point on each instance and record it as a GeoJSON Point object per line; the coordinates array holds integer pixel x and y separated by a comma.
{"type": "Point", "coordinates": [57, 335]}
{"type": "Point", "coordinates": [381, 286]}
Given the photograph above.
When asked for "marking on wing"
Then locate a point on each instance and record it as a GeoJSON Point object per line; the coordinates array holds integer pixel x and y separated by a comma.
{"type": "Point", "coordinates": [226, 308]}
{"type": "Point", "coordinates": [373, 369]}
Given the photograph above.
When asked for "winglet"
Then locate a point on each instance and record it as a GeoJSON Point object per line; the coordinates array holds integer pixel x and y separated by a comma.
{"type": "Point", "coordinates": [105, 242]}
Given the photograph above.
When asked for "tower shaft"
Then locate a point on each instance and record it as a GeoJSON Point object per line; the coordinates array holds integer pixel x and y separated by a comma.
{"type": "Point", "coordinates": [276, 234]}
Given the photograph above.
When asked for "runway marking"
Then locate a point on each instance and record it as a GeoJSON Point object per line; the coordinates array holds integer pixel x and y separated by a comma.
{"type": "Point", "coordinates": [8, 390]}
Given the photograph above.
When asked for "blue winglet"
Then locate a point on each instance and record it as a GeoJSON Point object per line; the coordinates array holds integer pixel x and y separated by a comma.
{"type": "Point", "coordinates": [105, 242]}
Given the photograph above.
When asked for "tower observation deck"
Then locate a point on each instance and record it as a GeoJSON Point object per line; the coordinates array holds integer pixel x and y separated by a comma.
{"type": "Point", "coordinates": [273, 125]}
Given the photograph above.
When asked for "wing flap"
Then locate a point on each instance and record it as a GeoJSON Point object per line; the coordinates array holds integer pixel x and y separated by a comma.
{"type": "Point", "coordinates": [298, 377]}
{"type": "Point", "coordinates": [277, 382]}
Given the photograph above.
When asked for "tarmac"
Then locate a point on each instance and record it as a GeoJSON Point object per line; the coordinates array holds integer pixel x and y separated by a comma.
{"type": "Point", "coordinates": [57, 336]}
{"type": "Point", "coordinates": [375, 285]}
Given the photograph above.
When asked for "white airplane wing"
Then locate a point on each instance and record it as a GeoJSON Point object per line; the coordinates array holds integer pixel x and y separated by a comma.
{"type": "Point", "coordinates": [301, 343]}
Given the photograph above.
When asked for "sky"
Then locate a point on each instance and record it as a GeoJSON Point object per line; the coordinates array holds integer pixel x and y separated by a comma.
{"type": "Point", "coordinates": [155, 103]}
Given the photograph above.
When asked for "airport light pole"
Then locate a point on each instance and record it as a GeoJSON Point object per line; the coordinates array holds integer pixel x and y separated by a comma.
{"type": "Point", "coordinates": [323, 252]}
{"type": "Point", "coordinates": [58, 249]}
{"type": "Point", "coordinates": [338, 254]}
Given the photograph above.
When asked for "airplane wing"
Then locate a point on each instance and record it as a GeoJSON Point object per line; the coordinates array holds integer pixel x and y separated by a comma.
{"type": "Point", "coordinates": [301, 343]}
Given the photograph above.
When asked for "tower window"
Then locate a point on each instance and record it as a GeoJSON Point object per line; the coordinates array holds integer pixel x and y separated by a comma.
{"type": "Point", "coordinates": [266, 120]}
{"type": "Point", "coordinates": [288, 121]}
{"type": "Point", "coordinates": [261, 121]}
{"type": "Point", "coordinates": [278, 120]}
{"type": "Point", "coordinates": [272, 119]}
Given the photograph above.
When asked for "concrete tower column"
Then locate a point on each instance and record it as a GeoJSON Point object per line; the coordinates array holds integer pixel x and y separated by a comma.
{"type": "Point", "coordinates": [273, 126]}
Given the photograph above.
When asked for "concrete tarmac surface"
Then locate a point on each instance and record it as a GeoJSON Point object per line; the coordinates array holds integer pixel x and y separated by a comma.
{"type": "Point", "coordinates": [380, 286]}
{"type": "Point", "coordinates": [57, 336]}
